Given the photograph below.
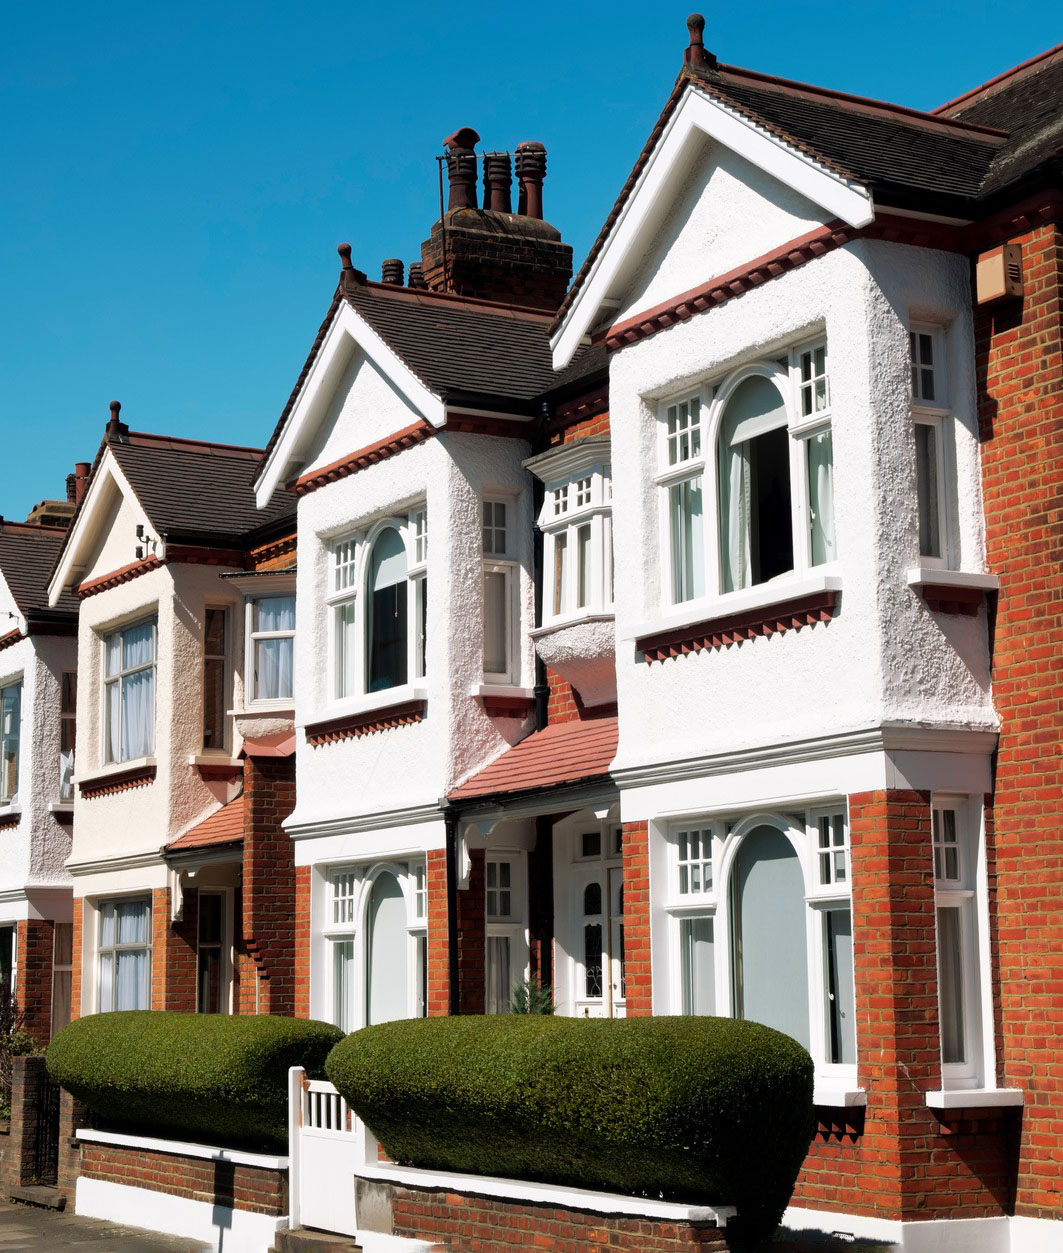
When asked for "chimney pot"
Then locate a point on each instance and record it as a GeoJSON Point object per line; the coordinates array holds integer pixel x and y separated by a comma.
{"type": "Point", "coordinates": [416, 276]}
{"type": "Point", "coordinates": [498, 181]}
{"type": "Point", "coordinates": [461, 168]}
{"type": "Point", "coordinates": [82, 470]}
{"type": "Point", "coordinates": [531, 170]}
{"type": "Point", "coordinates": [696, 53]}
{"type": "Point", "coordinates": [392, 272]}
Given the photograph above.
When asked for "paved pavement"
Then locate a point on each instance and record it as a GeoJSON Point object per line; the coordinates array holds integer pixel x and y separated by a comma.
{"type": "Point", "coordinates": [27, 1229]}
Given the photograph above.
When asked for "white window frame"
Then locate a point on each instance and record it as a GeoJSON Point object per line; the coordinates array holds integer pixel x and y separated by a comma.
{"type": "Point", "coordinates": [120, 677]}
{"type": "Point", "coordinates": [965, 892]}
{"type": "Point", "coordinates": [68, 723]}
{"type": "Point", "coordinates": [711, 397]}
{"type": "Point", "coordinates": [591, 484]}
{"type": "Point", "coordinates": [413, 531]}
{"type": "Point", "coordinates": [514, 925]}
{"type": "Point", "coordinates": [503, 564]}
{"type": "Point", "coordinates": [278, 588]}
{"type": "Point", "coordinates": [349, 927]}
{"type": "Point", "coordinates": [59, 969]}
{"type": "Point", "coordinates": [100, 908]}
{"type": "Point", "coordinates": [226, 658]}
{"type": "Point", "coordinates": [725, 837]}
{"type": "Point", "coordinates": [936, 416]}
{"type": "Point", "coordinates": [9, 685]}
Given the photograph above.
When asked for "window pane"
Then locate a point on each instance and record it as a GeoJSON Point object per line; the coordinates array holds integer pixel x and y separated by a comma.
{"type": "Point", "coordinates": [386, 957]}
{"type": "Point", "coordinates": [132, 920]}
{"type": "Point", "coordinates": [10, 734]}
{"type": "Point", "coordinates": [114, 653]}
{"type": "Point", "coordinates": [113, 716]}
{"type": "Point", "coordinates": [698, 966]}
{"type": "Point", "coordinates": [131, 979]}
{"type": "Point", "coordinates": [208, 996]}
{"type": "Point", "coordinates": [273, 669]}
{"type": "Point", "coordinates": [950, 989]}
{"type": "Point", "coordinates": [496, 650]}
{"type": "Point", "coordinates": [345, 640]}
{"type": "Point", "coordinates": [591, 844]}
{"type": "Point", "coordinates": [820, 451]}
{"type": "Point", "coordinates": [592, 959]}
{"type": "Point", "coordinates": [138, 714]}
{"type": "Point", "coordinates": [214, 703]}
{"type": "Point", "coordinates": [214, 632]}
{"type": "Point", "coordinates": [499, 979]}
{"type": "Point", "coordinates": [61, 999]}
{"type": "Point", "coordinates": [210, 914]}
{"type": "Point", "coordinates": [926, 468]}
{"type": "Point", "coordinates": [342, 979]}
{"type": "Point", "coordinates": [560, 572]}
{"type": "Point", "coordinates": [841, 1006]}
{"type": "Point", "coordinates": [275, 613]}
{"type": "Point", "coordinates": [63, 951]}
{"type": "Point", "coordinates": [583, 567]}
{"type": "Point", "coordinates": [688, 550]}
{"type": "Point", "coordinates": [138, 645]}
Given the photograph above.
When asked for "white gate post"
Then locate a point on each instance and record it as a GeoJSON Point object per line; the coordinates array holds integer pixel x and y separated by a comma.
{"type": "Point", "coordinates": [296, 1075]}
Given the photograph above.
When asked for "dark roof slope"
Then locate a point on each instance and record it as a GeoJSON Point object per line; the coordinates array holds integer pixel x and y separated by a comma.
{"type": "Point", "coordinates": [194, 490]}
{"type": "Point", "coordinates": [27, 555]}
{"type": "Point", "coordinates": [1027, 102]}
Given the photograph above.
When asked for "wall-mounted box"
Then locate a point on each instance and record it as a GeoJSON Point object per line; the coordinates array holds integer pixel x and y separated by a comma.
{"type": "Point", "coordinates": [998, 274]}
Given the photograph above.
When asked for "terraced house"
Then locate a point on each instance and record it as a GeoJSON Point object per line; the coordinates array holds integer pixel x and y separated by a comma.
{"type": "Point", "coordinates": [185, 591]}
{"type": "Point", "coordinates": [683, 636]}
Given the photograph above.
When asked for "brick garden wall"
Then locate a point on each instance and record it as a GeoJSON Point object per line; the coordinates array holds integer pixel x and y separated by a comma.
{"type": "Point", "coordinates": [1020, 362]}
{"type": "Point", "coordinates": [899, 1159]}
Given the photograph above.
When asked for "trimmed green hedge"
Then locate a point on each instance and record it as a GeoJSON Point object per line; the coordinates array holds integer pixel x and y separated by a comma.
{"type": "Point", "coordinates": [703, 1110]}
{"type": "Point", "coordinates": [205, 1077]}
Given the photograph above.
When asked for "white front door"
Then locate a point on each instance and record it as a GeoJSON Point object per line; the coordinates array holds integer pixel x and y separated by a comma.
{"type": "Point", "coordinates": [594, 940]}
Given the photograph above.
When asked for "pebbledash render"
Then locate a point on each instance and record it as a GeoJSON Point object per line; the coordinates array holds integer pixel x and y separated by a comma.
{"type": "Point", "coordinates": [683, 636]}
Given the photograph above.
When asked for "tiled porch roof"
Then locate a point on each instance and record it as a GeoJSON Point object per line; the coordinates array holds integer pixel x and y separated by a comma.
{"type": "Point", "coordinates": [567, 753]}
{"type": "Point", "coordinates": [224, 826]}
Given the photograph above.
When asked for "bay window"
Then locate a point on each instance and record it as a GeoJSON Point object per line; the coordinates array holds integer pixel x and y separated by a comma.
{"type": "Point", "coordinates": [761, 927]}
{"type": "Point", "coordinates": [10, 737]}
{"type": "Point", "coordinates": [755, 453]}
{"type": "Point", "coordinates": [378, 605]}
{"type": "Point", "coordinates": [124, 957]}
{"type": "Point", "coordinates": [129, 693]}
{"type": "Point", "coordinates": [271, 640]}
{"type": "Point", "coordinates": [577, 526]}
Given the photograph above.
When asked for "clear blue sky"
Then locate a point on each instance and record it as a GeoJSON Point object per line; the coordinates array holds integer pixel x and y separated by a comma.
{"type": "Point", "coordinates": [174, 178]}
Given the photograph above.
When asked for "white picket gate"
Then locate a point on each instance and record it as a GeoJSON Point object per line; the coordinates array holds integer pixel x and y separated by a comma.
{"type": "Point", "coordinates": [326, 1144]}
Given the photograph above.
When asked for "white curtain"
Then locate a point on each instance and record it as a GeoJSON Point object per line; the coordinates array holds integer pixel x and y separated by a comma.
{"type": "Point", "coordinates": [734, 516]}
{"type": "Point", "coordinates": [821, 497]}
{"type": "Point", "coordinates": [274, 658]}
{"type": "Point", "coordinates": [130, 990]}
{"type": "Point", "coordinates": [138, 715]}
{"type": "Point", "coordinates": [498, 977]}
{"type": "Point", "coordinates": [275, 613]}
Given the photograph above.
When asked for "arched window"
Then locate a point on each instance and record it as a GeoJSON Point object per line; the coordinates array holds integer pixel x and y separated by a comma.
{"type": "Point", "coordinates": [768, 923]}
{"type": "Point", "coordinates": [386, 622]}
{"type": "Point", "coordinates": [756, 509]}
{"type": "Point", "coordinates": [386, 956]}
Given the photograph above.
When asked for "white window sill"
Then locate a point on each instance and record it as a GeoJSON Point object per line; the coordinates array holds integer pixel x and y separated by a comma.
{"type": "Point", "coordinates": [60, 809]}
{"type": "Point", "coordinates": [275, 708]}
{"type": "Point", "coordinates": [975, 1098]}
{"type": "Point", "coordinates": [558, 624]}
{"type": "Point", "coordinates": [776, 592]}
{"type": "Point", "coordinates": [375, 700]}
{"type": "Point", "coordinates": [215, 761]}
{"type": "Point", "coordinates": [10, 811]}
{"type": "Point", "coordinates": [506, 691]}
{"type": "Point", "coordinates": [937, 576]}
{"type": "Point", "coordinates": [118, 767]}
{"type": "Point", "coordinates": [837, 1094]}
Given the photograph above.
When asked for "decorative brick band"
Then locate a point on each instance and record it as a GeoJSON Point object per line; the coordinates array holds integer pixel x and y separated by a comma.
{"type": "Point", "coordinates": [580, 407]}
{"type": "Point", "coordinates": [508, 706]}
{"type": "Point", "coordinates": [943, 598]}
{"type": "Point", "coordinates": [124, 574]}
{"type": "Point", "coordinates": [120, 781]}
{"type": "Point", "coordinates": [263, 557]}
{"type": "Point", "coordinates": [788, 615]}
{"type": "Point", "coordinates": [9, 821]}
{"type": "Point", "coordinates": [416, 433]}
{"type": "Point", "coordinates": [12, 637]}
{"type": "Point", "coordinates": [201, 555]}
{"type": "Point", "coordinates": [353, 725]}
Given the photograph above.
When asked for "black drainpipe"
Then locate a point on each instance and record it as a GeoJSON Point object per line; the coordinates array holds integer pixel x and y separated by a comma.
{"type": "Point", "coordinates": [450, 821]}
{"type": "Point", "coordinates": [541, 689]}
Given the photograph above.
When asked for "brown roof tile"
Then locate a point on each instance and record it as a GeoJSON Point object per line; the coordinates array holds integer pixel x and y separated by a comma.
{"type": "Point", "coordinates": [569, 752]}
{"type": "Point", "coordinates": [27, 555]}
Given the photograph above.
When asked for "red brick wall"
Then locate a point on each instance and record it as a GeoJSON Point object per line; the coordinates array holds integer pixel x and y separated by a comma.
{"type": "Point", "coordinates": [471, 942]}
{"type": "Point", "coordinates": [76, 951]}
{"type": "Point", "coordinates": [465, 1224]}
{"type": "Point", "coordinates": [900, 1159]}
{"type": "Point", "coordinates": [302, 942]}
{"type": "Point", "coordinates": [637, 919]}
{"type": "Point", "coordinates": [269, 880]}
{"type": "Point", "coordinates": [583, 428]}
{"type": "Point", "coordinates": [254, 1188]}
{"type": "Point", "coordinates": [438, 960]}
{"type": "Point", "coordinates": [33, 989]}
{"type": "Point", "coordinates": [1020, 362]}
{"type": "Point", "coordinates": [173, 953]}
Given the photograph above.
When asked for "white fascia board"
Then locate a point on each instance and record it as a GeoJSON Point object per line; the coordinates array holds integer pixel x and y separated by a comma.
{"type": "Point", "coordinates": [347, 326]}
{"type": "Point", "coordinates": [697, 111]}
{"type": "Point", "coordinates": [107, 472]}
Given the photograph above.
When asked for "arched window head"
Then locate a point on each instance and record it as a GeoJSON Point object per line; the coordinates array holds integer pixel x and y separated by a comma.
{"type": "Point", "coordinates": [756, 508]}
{"type": "Point", "coordinates": [386, 622]}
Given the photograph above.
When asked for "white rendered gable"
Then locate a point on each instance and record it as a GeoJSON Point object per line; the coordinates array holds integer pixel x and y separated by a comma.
{"type": "Point", "coordinates": [321, 399]}
{"type": "Point", "coordinates": [642, 224]}
{"type": "Point", "coordinates": [10, 617]}
{"type": "Point", "coordinates": [104, 537]}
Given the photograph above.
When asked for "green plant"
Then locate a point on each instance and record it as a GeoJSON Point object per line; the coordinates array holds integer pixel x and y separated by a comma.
{"type": "Point", "coordinates": [206, 1077]}
{"type": "Point", "coordinates": [15, 1041]}
{"type": "Point", "coordinates": [530, 997]}
{"type": "Point", "coordinates": [705, 1110]}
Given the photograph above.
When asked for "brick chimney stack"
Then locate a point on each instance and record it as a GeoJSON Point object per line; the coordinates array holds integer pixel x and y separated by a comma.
{"type": "Point", "coordinates": [493, 253]}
